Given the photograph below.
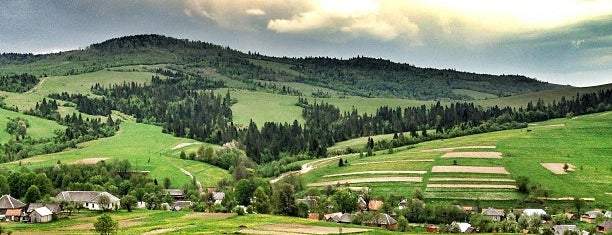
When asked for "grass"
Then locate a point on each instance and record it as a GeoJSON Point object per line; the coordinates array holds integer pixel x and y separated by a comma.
{"type": "Point", "coordinates": [142, 221]}
{"type": "Point", "coordinates": [39, 128]}
{"type": "Point", "coordinates": [144, 146]}
{"type": "Point", "coordinates": [583, 141]}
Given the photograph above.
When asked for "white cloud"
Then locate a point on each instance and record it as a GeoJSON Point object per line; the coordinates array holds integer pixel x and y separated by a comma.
{"type": "Point", "coordinates": [255, 12]}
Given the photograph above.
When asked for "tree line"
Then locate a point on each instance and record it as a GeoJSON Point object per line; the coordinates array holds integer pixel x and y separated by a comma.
{"type": "Point", "coordinates": [18, 82]}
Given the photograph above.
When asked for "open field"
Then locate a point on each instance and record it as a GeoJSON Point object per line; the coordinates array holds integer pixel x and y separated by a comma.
{"type": "Point", "coordinates": [496, 155]}
{"type": "Point", "coordinates": [470, 169]}
{"type": "Point", "coordinates": [477, 186]}
{"type": "Point", "coordinates": [368, 180]}
{"type": "Point", "coordinates": [557, 168]}
{"type": "Point", "coordinates": [522, 151]}
{"type": "Point", "coordinates": [39, 128]}
{"type": "Point", "coordinates": [172, 222]}
{"type": "Point", "coordinates": [144, 146]}
{"type": "Point", "coordinates": [376, 172]}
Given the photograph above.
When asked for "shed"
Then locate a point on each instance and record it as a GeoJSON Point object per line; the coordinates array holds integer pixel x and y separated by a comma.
{"type": "Point", "coordinates": [560, 229]}
{"type": "Point", "coordinates": [495, 214]}
{"type": "Point", "coordinates": [177, 194]}
{"type": "Point", "coordinates": [41, 215]}
{"type": "Point", "coordinates": [13, 214]}
{"type": "Point", "coordinates": [604, 228]}
{"type": "Point", "coordinates": [383, 220]}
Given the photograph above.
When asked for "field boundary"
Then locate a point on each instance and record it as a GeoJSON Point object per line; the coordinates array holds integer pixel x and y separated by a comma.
{"type": "Point", "coordinates": [375, 172]}
{"type": "Point", "coordinates": [368, 180]}
{"type": "Point", "coordinates": [460, 147]}
{"type": "Point", "coordinates": [395, 161]}
{"type": "Point", "coordinates": [470, 169]}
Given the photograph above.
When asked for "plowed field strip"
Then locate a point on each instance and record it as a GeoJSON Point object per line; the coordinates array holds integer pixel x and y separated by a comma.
{"type": "Point", "coordinates": [365, 163]}
{"type": "Point", "coordinates": [471, 169]}
{"type": "Point", "coordinates": [368, 180]}
{"type": "Point", "coordinates": [502, 186]}
{"type": "Point", "coordinates": [376, 172]}
{"type": "Point", "coordinates": [471, 179]}
{"type": "Point", "coordinates": [462, 147]}
{"type": "Point", "coordinates": [473, 155]}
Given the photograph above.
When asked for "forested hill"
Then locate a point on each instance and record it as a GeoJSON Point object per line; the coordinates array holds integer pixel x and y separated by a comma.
{"type": "Point", "coordinates": [360, 76]}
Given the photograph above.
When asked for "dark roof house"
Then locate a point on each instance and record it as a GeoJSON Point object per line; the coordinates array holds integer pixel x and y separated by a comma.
{"type": "Point", "coordinates": [8, 202]}
{"type": "Point", "coordinates": [560, 229]}
{"type": "Point", "coordinates": [177, 194]}
{"type": "Point", "coordinates": [89, 199]}
{"type": "Point", "coordinates": [604, 228]}
{"type": "Point", "coordinates": [495, 214]}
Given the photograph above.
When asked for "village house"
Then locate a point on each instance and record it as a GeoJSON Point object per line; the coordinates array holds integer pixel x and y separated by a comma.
{"type": "Point", "coordinates": [590, 216]}
{"type": "Point", "coordinates": [529, 212]}
{"type": "Point", "coordinates": [495, 214]}
{"type": "Point", "coordinates": [176, 194]}
{"type": "Point", "coordinates": [308, 200]}
{"type": "Point", "coordinates": [89, 199]}
{"type": "Point", "coordinates": [41, 215]}
{"type": "Point", "coordinates": [10, 208]}
{"type": "Point", "coordinates": [560, 229]}
{"type": "Point", "coordinates": [604, 227]}
{"type": "Point", "coordinates": [383, 220]}
{"type": "Point", "coordinates": [218, 197]}
{"type": "Point", "coordinates": [179, 205]}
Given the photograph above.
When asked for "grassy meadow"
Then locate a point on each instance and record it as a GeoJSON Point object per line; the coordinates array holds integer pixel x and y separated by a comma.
{"type": "Point", "coordinates": [39, 128]}
{"type": "Point", "coordinates": [584, 142]}
{"type": "Point", "coordinates": [147, 149]}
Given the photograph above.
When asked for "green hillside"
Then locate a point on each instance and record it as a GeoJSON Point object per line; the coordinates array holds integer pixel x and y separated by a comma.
{"type": "Point", "coordinates": [583, 142]}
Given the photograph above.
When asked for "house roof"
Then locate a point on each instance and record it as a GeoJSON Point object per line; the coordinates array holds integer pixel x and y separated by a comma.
{"type": "Point", "coordinates": [174, 192]}
{"type": "Point", "coordinates": [591, 214]}
{"type": "Point", "coordinates": [384, 219]}
{"type": "Point", "coordinates": [464, 226]}
{"type": "Point", "coordinates": [345, 218]}
{"type": "Point", "coordinates": [606, 225]}
{"type": "Point", "coordinates": [84, 196]}
{"type": "Point", "coordinates": [43, 211]}
{"type": "Point", "coordinates": [53, 207]}
{"type": "Point", "coordinates": [560, 229]}
{"type": "Point", "coordinates": [13, 212]}
{"type": "Point", "coordinates": [183, 204]}
{"type": "Point", "coordinates": [332, 216]}
{"type": "Point", "coordinates": [529, 212]}
{"type": "Point", "coordinates": [8, 202]}
{"type": "Point", "coordinates": [493, 212]}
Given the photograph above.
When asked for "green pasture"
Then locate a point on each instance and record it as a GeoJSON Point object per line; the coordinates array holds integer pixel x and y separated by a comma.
{"type": "Point", "coordinates": [147, 149]}
{"type": "Point", "coordinates": [39, 128]}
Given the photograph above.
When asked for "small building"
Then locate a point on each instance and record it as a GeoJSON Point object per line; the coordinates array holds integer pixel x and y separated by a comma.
{"type": "Point", "coordinates": [180, 205]}
{"type": "Point", "coordinates": [560, 229]}
{"type": "Point", "coordinates": [495, 214]}
{"type": "Point", "coordinates": [383, 220]}
{"type": "Point", "coordinates": [311, 201]}
{"type": "Point", "coordinates": [89, 199]}
{"type": "Point", "coordinates": [571, 216]}
{"type": "Point", "coordinates": [529, 212]}
{"type": "Point", "coordinates": [463, 227]}
{"type": "Point", "coordinates": [402, 204]}
{"type": "Point", "coordinates": [590, 216]}
{"type": "Point", "coordinates": [53, 207]}
{"type": "Point", "coordinates": [176, 194]}
{"type": "Point", "coordinates": [604, 228]}
{"type": "Point", "coordinates": [313, 216]}
{"type": "Point", "coordinates": [13, 214]}
{"type": "Point", "coordinates": [218, 197]}
{"type": "Point", "coordinates": [345, 218]}
{"type": "Point", "coordinates": [332, 217]}
{"type": "Point", "coordinates": [7, 202]}
{"type": "Point", "coordinates": [41, 215]}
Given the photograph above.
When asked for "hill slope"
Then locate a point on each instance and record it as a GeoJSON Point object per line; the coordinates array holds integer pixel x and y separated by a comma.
{"type": "Point", "coordinates": [356, 76]}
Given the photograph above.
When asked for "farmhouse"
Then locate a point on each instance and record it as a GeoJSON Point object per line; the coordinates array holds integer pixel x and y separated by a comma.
{"type": "Point", "coordinates": [8, 202]}
{"type": "Point", "coordinates": [590, 216]}
{"type": "Point", "coordinates": [218, 197]}
{"type": "Point", "coordinates": [177, 194]}
{"type": "Point", "coordinates": [333, 217]}
{"type": "Point", "coordinates": [41, 215]}
{"type": "Point", "coordinates": [560, 229]}
{"type": "Point", "coordinates": [604, 228]}
{"type": "Point", "coordinates": [495, 214]}
{"type": "Point", "coordinates": [89, 199]}
{"type": "Point", "coordinates": [383, 220]}
{"type": "Point", "coordinates": [179, 205]}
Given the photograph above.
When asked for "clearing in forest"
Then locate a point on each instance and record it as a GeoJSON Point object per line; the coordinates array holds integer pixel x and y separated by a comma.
{"type": "Point", "coordinates": [455, 148]}
{"type": "Point", "coordinates": [473, 155]}
{"type": "Point", "coordinates": [499, 186]}
{"type": "Point", "coordinates": [368, 180]}
{"type": "Point", "coordinates": [376, 172]}
{"type": "Point", "coordinates": [557, 168]}
{"type": "Point", "coordinates": [470, 169]}
{"type": "Point", "coordinates": [89, 161]}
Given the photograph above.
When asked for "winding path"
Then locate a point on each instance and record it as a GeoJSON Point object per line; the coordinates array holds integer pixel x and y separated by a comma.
{"type": "Point", "coordinates": [306, 167]}
{"type": "Point", "coordinates": [35, 88]}
{"type": "Point", "coordinates": [198, 184]}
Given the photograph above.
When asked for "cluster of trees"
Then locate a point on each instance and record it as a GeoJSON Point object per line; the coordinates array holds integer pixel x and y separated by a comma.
{"type": "Point", "coordinates": [92, 106]}
{"type": "Point", "coordinates": [18, 82]}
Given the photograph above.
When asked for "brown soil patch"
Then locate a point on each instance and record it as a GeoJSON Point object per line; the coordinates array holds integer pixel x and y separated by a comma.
{"type": "Point", "coordinates": [294, 229]}
{"type": "Point", "coordinates": [473, 155]}
{"type": "Point", "coordinates": [178, 146]}
{"type": "Point", "coordinates": [471, 169]}
{"type": "Point", "coordinates": [88, 161]}
{"type": "Point", "coordinates": [557, 168]}
{"type": "Point", "coordinates": [591, 199]}
{"type": "Point", "coordinates": [166, 230]}
{"type": "Point", "coordinates": [396, 161]}
{"type": "Point", "coordinates": [210, 215]}
{"type": "Point", "coordinates": [500, 186]}
{"type": "Point", "coordinates": [472, 179]}
{"type": "Point", "coordinates": [376, 172]}
{"type": "Point", "coordinates": [368, 180]}
{"type": "Point", "coordinates": [455, 148]}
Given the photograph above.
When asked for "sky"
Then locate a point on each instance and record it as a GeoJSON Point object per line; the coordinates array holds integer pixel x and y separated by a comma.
{"type": "Point", "coordinates": [558, 41]}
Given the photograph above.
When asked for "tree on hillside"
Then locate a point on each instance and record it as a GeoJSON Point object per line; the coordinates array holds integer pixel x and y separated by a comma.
{"type": "Point", "coordinates": [167, 183]}
{"type": "Point", "coordinates": [345, 201]}
{"type": "Point", "coordinates": [284, 200]}
{"type": "Point", "coordinates": [243, 191]}
{"type": "Point", "coordinates": [261, 201]}
{"type": "Point", "coordinates": [128, 202]}
{"type": "Point", "coordinates": [4, 187]}
{"type": "Point", "coordinates": [105, 225]}
{"type": "Point", "coordinates": [32, 195]}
